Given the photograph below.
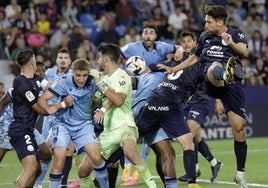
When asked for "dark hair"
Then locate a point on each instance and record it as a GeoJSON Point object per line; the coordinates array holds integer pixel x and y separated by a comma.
{"type": "Point", "coordinates": [187, 33]}
{"type": "Point", "coordinates": [217, 12]}
{"type": "Point", "coordinates": [111, 50]}
{"type": "Point", "coordinates": [63, 50]}
{"type": "Point", "coordinates": [39, 63]}
{"type": "Point", "coordinates": [24, 56]}
{"type": "Point", "coordinates": [151, 26]}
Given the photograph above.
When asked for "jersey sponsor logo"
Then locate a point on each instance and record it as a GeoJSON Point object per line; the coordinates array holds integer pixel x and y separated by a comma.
{"type": "Point", "coordinates": [158, 108]}
{"type": "Point", "coordinates": [170, 85]}
{"type": "Point", "coordinates": [122, 83]}
{"type": "Point", "coordinates": [215, 51]}
{"type": "Point", "coordinates": [30, 96]}
{"type": "Point", "coordinates": [216, 48]}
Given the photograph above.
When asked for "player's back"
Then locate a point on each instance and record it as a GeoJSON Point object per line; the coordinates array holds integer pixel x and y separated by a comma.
{"type": "Point", "coordinates": [181, 85]}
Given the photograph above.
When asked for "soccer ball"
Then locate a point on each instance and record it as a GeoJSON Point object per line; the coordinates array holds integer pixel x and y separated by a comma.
{"type": "Point", "coordinates": [135, 65]}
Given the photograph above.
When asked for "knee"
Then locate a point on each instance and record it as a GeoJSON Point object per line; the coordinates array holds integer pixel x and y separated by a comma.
{"type": "Point", "coordinates": [34, 170]}
{"type": "Point", "coordinates": [164, 153]}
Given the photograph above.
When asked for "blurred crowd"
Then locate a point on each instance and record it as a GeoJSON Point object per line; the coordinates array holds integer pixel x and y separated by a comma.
{"type": "Point", "coordinates": [81, 25]}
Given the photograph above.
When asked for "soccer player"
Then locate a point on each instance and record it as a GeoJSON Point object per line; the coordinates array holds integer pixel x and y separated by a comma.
{"type": "Point", "coordinates": [220, 48]}
{"type": "Point", "coordinates": [5, 120]}
{"type": "Point", "coordinates": [7, 117]}
{"type": "Point", "coordinates": [152, 51]}
{"type": "Point", "coordinates": [163, 112]}
{"type": "Point", "coordinates": [25, 93]}
{"type": "Point", "coordinates": [52, 76]}
{"type": "Point", "coordinates": [117, 91]}
{"type": "Point", "coordinates": [74, 123]}
{"type": "Point", "coordinates": [143, 85]}
{"type": "Point", "coordinates": [196, 110]}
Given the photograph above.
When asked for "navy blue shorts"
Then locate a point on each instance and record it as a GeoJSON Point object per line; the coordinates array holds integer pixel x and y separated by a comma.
{"type": "Point", "coordinates": [231, 95]}
{"type": "Point", "coordinates": [197, 111]}
{"type": "Point", "coordinates": [170, 118]}
{"type": "Point", "coordinates": [25, 145]}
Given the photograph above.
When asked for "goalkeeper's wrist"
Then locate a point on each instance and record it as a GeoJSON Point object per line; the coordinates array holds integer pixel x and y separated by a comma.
{"type": "Point", "coordinates": [103, 109]}
{"type": "Point", "coordinates": [103, 86]}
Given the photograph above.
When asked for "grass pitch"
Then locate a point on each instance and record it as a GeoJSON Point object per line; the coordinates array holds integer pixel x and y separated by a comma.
{"type": "Point", "coordinates": [256, 166]}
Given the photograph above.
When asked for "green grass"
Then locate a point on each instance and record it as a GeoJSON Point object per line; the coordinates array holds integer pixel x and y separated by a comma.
{"type": "Point", "coordinates": [257, 166]}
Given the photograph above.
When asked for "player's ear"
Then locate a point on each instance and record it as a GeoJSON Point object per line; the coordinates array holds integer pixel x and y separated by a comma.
{"type": "Point", "coordinates": [220, 23]}
{"type": "Point", "coordinates": [106, 58]}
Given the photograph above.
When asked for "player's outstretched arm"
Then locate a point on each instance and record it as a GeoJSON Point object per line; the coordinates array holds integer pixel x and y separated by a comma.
{"type": "Point", "coordinates": [191, 60]}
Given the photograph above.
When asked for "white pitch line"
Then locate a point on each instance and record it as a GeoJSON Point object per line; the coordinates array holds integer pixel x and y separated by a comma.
{"type": "Point", "coordinates": [198, 180]}
{"type": "Point", "coordinates": [232, 183]}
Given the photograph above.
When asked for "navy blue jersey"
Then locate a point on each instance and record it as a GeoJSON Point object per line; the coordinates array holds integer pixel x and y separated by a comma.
{"type": "Point", "coordinates": [179, 86]}
{"type": "Point", "coordinates": [200, 96]}
{"type": "Point", "coordinates": [25, 94]}
{"type": "Point", "coordinates": [212, 48]}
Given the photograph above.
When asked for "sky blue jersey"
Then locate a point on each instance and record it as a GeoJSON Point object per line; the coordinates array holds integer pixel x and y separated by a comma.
{"type": "Point", "coordinates": [161, 49]}
{"type": "Point", "coordinates": [82, 96]}
{"type": "Point", "coordinates": [52, 74]}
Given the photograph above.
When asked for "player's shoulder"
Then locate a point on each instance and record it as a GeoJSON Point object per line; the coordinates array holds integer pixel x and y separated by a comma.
{"type": "Point", "coordinates": [237, 33]}
{"type": "Point", "coordinates": [159, 43]}
{"type": "Point", "coordinates": [131, 45]}
{"type": "Point", "coordinates": [19, 80]}
{"type": "Point", "coordinates": [204, 34]}
{"type": "Point", "coordinates": [51, 69]}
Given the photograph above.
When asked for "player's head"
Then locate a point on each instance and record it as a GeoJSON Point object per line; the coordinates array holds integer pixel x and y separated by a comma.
{"type": "Point", "coordinates": [26, 57]}
{"type": "Point", "coordinates": [80, 69]}
{"type": "Point", "coordinates": [215, 18]}
{"type": "Point", "coordinates": [40, 69]}
{"type": "Point", "coordinates": [149, 35]}
{"type": "Point", "coordinates": [187, 41]}
{"type": "Point", "coordinates": [63, 60]}
{"type": "Point", "coordinates": [108, 53]}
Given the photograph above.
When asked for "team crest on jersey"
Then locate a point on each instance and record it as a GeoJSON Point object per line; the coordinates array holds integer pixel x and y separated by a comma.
{"type": "Point", "coordinates": [223, 42]}
{"type": "Point", "coordinates": [30, 148]}
{"type": "Point", "coordinates": [30, 96]}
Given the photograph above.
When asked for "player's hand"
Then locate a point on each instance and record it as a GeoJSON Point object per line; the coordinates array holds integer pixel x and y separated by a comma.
{"type": "Point", "coordinates": [98, 116]}
{"type": "Point", "coordinates": [53, 109]}
{"type": "Point", "coordinates": [96, 75]}
{"type": "Point", "coordinates": [219, 108]}
{"type": "Point", "coordinates": [227, 38]}
{"type": "Point", "coordinates": [68, 101]}
{"type": "Point", "coordinates": [167, 69]}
